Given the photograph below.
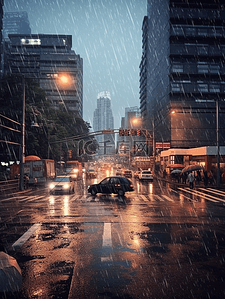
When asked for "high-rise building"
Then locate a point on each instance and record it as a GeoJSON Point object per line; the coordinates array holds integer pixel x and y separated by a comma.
{"type": "Point", "coordinates": [103, 120]}
{"type": "Point", "coordinates": [182, 72]}
{"type": "Point", "coordinates": [49, 59]}
{"type": "Point", "coordinates": [131, 120]}
{"type": "Point", "coordinates": [16, 23]}
{"type": "Point", "coordinates": [1, 23]}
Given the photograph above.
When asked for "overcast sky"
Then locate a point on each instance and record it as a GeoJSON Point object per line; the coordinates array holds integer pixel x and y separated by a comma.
{"type": "Point", "coordinates": [106, 34]}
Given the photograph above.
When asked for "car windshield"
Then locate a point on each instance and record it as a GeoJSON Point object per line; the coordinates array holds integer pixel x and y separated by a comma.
{"type": "Point", "coordinates": [62, 179]}
{"type": "Point", "coordinates": [146, 172]}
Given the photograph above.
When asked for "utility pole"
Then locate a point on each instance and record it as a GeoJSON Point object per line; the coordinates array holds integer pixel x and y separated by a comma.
{"type": "Point", "coordinates": [217, 143]}
{"type": "Point", "coordinates": [22, 144]}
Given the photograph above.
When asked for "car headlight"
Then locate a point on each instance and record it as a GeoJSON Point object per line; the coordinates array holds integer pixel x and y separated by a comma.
{"type": "Point", "coordinates": [52, 186]}
{"type": "Point", "coordinates": [66, 186]}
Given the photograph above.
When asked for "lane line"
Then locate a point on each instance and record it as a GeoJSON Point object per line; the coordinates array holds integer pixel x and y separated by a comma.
{"type": "Point", "coordinates": [26, 236]}
{"type": "Point", "coordinates": [107, 242]}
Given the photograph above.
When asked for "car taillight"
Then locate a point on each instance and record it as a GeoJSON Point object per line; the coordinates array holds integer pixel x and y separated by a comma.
{"type": "Point", "coordinates": [131, 185]}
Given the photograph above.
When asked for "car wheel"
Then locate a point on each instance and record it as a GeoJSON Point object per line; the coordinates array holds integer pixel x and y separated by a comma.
{"type": "Point", "coordinates": [121, 192]}
{"type": "Point", "coordinates": [93, 192]}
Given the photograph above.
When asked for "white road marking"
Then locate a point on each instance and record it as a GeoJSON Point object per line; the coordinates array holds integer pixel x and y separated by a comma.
{"type": "Point", "coordinates": [218, 192]}
{"type": "Point", "coordinates": [159, 198]}
{"type": "Point", "coordinates": [143, 197]}
{"type": "Point", "coordinates": [107, 241]}
{"type": "Point", "coordinates": [167, 197]}
{"type": "Point", "coordinates": [205, 196]}
{"type": "Point", "coordinates": [26, 236]}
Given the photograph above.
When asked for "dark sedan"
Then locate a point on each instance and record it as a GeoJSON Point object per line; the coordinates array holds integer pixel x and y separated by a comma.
{"type": "Point", "coordinates": [116, 184]}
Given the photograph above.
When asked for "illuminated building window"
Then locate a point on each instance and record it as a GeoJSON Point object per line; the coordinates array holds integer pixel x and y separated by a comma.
{"type": "Point", "coordinates": [31, 41]}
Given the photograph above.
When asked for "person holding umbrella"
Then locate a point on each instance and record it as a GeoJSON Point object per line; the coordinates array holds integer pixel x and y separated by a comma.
{"type": "Point", "coordinates": [191, 179]}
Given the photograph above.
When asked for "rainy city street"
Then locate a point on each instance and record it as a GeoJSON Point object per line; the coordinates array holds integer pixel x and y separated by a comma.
{"type": "Point", "coordinates": [155, 242]}
{"type": "Point", "coordinates": [112, 149]}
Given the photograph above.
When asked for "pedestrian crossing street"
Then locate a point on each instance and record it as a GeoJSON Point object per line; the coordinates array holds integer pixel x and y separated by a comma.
{"type": "Point", "coordinates": [199, 194]}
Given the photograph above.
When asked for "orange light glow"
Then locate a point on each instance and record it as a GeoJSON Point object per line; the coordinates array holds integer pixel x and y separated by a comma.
{"type": "Point", "coordinates": [64, 79]}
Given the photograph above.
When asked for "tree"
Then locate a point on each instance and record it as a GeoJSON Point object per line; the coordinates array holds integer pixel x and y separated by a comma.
{"type": "Point", "coordinates": [44, 125]}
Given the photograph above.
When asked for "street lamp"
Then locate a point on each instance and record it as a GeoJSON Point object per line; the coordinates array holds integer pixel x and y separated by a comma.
{"type": "Point", "coordinates": [217, 143]}
{"type": "Point", "coordinates": [22, 143]}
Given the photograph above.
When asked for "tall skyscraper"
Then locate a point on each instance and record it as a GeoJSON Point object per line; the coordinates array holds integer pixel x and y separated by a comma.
{"type": "Point", "coordinates": [131, 120]}
{"type": "Point", "coordinates": [182, 71]}
{"type": "Point", "coordinates": [103, 120]}
{"type": "Point", "coordinates": [49, 59]}
{"type": "Point", "coordinates": [1, 47]}
{"type": "Point", "coordinates": [16, 23]}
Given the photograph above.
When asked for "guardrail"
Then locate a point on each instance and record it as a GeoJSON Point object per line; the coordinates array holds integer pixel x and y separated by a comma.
{"type": "Point", "coordinates": [9, 186]}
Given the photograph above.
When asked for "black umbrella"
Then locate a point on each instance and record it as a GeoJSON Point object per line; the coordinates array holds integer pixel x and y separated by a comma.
{"type": "Point", "coordinates": [190, 168]}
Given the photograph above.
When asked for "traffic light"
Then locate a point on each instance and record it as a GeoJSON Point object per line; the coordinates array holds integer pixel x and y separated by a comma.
{"type": "Point", "coordinates": [70, 153]}
{"type": "Point", "coordinates": [133, 132]}
{"type": "Point", "coordinates": [138, 132]}
{"type": "Point", "coordinates": [126, 132]}
{"type": "Point", "coordinates": [121, 132]}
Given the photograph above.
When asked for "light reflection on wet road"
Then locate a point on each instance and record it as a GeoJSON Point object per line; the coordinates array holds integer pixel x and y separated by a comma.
{"type": "Point", "coordinates": [153, 243]}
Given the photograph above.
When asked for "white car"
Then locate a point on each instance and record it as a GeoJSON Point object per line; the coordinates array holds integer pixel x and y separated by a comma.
{"type": "Point", "coordinates": [146, 175]}
{"type": "Point", "coordinates": [64, 184]}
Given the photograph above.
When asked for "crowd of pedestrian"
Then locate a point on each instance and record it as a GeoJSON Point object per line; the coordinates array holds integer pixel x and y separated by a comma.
{"type": "Point", "coordinates": [208, 178]}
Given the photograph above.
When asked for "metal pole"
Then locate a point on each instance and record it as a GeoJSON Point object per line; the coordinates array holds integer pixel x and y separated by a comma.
{"type": "Point", "coordinates": [217, 143]}
{"type": "Point", "coordinates": [153, 143]}
{"type": "Point", "coordinates": [22, 144]}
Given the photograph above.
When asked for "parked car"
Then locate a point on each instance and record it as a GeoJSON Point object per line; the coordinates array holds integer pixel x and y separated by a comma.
{"type": "Point", "coordinates": [146, 175]}
{"type": "Point", "coordinates": [127, 173]}
{"type": "Point", "coordinates": [115, 184]}
{"type": "Point", "coordinates": [91, 174]}
{"type": "Point", "coordinates": [64, 184]}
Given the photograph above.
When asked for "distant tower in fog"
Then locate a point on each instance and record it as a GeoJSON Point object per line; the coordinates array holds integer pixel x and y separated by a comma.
{"type": "Point", "coordinates": [103, 120]}
{"type": "Point", "coordinates": [16, 23]}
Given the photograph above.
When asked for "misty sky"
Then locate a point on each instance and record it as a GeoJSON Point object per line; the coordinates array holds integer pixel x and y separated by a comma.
{"type": "Point", "coordinates": [106, 34]}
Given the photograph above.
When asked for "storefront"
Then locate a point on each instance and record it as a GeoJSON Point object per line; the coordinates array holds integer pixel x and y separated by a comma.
{"type": "Point", "coordinates": [204, 156]}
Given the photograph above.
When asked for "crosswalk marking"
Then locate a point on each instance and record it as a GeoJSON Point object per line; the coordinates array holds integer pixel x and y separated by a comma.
{"type": "Point", "coordinates": [159, 198]}
{"type": "Point", "coordinates": [209, 194]}
{"type": "Point", "coordinates": [205, 196]}
{"type": "Point", "coordinates": [143, 197]}
{"type": "Point", "coordinates": [75, 197]}
{"type": "Point", "coordinates": [167, 197]}
{"type": "Point", "coordinates": [218, 192]}
{"type": "Point", "coordinates": [31, 198]}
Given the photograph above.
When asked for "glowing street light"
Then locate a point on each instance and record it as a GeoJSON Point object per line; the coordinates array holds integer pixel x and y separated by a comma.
{"type": "Point", "coordinates": [64, 79]}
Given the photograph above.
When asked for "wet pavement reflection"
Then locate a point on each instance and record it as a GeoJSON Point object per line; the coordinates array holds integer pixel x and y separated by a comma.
{"type": "Point", "coordinates": [152, 243]}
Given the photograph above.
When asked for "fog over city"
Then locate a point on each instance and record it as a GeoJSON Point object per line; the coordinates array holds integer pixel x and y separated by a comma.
{"type": "Point", "coordinates": [106, 34]}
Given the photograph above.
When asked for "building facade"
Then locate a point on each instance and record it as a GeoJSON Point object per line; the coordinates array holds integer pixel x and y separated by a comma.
{"type": "Point", "coordinates": [16, 23]}
{"type": "Point", "coordinates": [182, 72]}
{"type": "Point", "coordinates": [1, 27]}
{"type": "Point", "coordinates": [49, 59]}
{"type": "Point", "coordinates": [103, 120]}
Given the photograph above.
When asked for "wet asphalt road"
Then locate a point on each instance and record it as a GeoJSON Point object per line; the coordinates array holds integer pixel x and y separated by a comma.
{"type": "Point", "coordinates": [153, 243]}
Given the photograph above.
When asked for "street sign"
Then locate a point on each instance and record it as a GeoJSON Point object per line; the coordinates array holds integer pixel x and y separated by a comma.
{"type": "Point", "coordinates": [163, 145]}
{"type": "Point", "coordinates": [107, 131]}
